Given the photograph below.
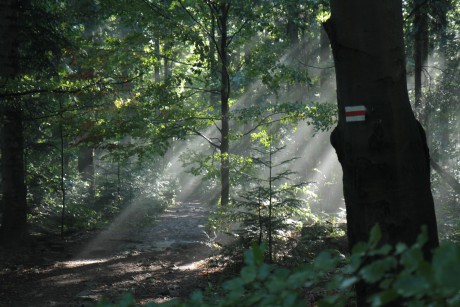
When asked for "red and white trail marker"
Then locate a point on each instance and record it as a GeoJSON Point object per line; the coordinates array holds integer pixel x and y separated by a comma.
{"type": "Point", "coordinates": [355, 114]}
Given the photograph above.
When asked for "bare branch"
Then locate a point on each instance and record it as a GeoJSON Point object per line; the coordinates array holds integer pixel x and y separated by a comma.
{"type": "Point", "coordinates": [206, 138]}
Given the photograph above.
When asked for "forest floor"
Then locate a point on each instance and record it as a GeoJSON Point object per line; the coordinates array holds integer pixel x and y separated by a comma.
{"type": "Point", "coordinates": [169, 259]}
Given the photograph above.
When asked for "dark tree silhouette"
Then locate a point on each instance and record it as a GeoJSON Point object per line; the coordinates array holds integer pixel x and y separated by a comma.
{"type": "Point", "coordinates": [14, 226]}
{"type": "Point", "coordinates": [380, 145]}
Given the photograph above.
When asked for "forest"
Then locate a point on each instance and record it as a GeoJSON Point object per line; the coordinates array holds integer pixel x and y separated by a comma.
{"type": "Point", "coordinates": [230, 153]}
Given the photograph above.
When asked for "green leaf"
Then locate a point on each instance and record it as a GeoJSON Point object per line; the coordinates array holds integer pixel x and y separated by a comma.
{"type": "Point", "coordinates": [382, 251]}
{"type": "Point", "coordinates": [276, 285]}
{"type": "Point", "coordinates": [297, 279]}
{"type": "Point", "coordinates": [375, 271]}
{"type": "Point", "coordinates": [290, 299]}
{"type": "Point", "coordinates": [235, 288]}
{"type": "Point", "coordinates": [249, 257]}
{"type": "Point", "coordinates": [332, 301]}
{"type": "Point", "coordinates": [254, 299]}
{"type": "Point", "coordinates": [197, 296]}
{"type": "Point", "coordinates": [248, 274]}
{"type": "Point", "coordinates": [422, 304]}
{"type": "Point", "coordinates": [410, 285]}
{"type": "Point", "coordinates": [348, 282]}
{"type": "Point", "coordinates": [422, 238]}
{"type": "Point", "coordinates": [375, 236]}
{"type": "Point", "coordinates": [400, 248]}
{"type": "Point", "coordinates": [446, 266]}
{"type": "Point", "coordinates": [355, 263]}
{"type": "Point", "coordinates": [259, 252]}
{"type": "Point", "coordinates": [359, 248]}
{"type": "Point", "coordinates": [412, 259]}
{"type": "Point", "coordinates": [325, 261]}
{"type": "Point", "coordinates": [383, 298]}
{"type": "Point", "coordinates": [264, 271]}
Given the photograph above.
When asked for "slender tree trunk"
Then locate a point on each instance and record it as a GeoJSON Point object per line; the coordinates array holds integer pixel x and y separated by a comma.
{"type": "Point", "coordinates": [213, 63]}
{"type": "Point", "coordinates": [86, 169]}
{"type": "Point", "coordinates": [157, 64]}
{"type": "Point", "coordinates": [270, 206]}
{"type": "Point", "coordinates": [324, 57]}
{"type": "Point", "coordinates": [384, 156]}
{"type": "Point", "coordinates": [63, 165]}
{"type": "Point", "coordinates": [14, 219]}
{"type": "Point", "coordinates": [292, 30]}
{"type": "Point", "coordinates": [166, 65]}
{"type": "Point", "coordinates": [420, 54]}
{"type": "Point", "coordinates": [225, 92]}
{"type": "Point", "coordinates": [444, 138]}
{"type": "Point", "coordinates": [259, 216]}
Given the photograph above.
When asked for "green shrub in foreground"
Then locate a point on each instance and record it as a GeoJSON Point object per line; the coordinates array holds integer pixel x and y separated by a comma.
{"type": "Point", "coordinates": [401, 272]}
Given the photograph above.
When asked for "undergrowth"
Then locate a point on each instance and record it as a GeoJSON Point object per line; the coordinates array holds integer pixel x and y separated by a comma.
{"type": "Point", "coordinates": [399, 273]}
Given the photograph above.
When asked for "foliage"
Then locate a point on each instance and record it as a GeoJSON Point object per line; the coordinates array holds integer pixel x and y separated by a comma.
{"type": "Point", "coordinates": [109, 71]}
{"type": "Point", "coordinates": [439, 110]}
{"type": "Point", "coordinates": [401, 274]}
{"type": "Point", "coordinates": [79, 214]}
{"type": "Point", "coordinates": [320, 234]}
{"type": "Point", "coordinates": [271, 206]}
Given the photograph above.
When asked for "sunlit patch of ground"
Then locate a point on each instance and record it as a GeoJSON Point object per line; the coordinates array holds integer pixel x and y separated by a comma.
{"type": "Point", "coordinates": [80, 262]}
{"type": "Point", "coordinates": [195, 265]}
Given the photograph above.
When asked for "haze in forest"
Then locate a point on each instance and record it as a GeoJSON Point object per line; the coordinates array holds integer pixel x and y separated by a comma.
{"type": "Point", "coordinates": [126, 109]}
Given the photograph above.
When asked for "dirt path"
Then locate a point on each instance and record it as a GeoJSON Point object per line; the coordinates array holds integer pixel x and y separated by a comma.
{"type": "Point", "coordinates": [155, 264]}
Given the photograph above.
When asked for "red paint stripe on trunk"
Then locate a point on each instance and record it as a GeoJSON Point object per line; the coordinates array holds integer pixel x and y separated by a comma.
{"type": "Point", "coordinates": [355, 113]}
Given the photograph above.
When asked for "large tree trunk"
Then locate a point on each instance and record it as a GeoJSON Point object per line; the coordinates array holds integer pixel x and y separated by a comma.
{"type": "Point", "coordinates": [385, 159]}
{"type": "Point", "coordinates": [9, 11]}
{"type": "Point", "coordinates": [14, 225]}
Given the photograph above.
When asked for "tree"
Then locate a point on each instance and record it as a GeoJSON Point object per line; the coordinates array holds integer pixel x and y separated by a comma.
{"type": "Point", "coordinates": [35, 33]}
{"type": "Point", "coordinates": [272, 203]}
{"type": "Point", "coordinates": [383, 153]}
{"type": "Point", "coordinates": [421, 43]}
{"type": "Point", "coordinates": [14, 226]}
{"type": "Point", "coordinates": [222, 12]}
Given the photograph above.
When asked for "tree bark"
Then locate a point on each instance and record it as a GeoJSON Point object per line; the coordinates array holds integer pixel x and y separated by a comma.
{"type": "Point", "coordinates": [324, 57]}
{"type": "Point", "coordinates": [385, 159]}
{"type": "Point", "coordinates": [14, 218]}
{"type": "Point", "coordinates": [157, 63]}
{"type": "Point", "coordinates": [225, 92]}
{"type": "Point", "coordinates": [9, 64]}
{"type": "Point", "coordinates": [86, 168]}
{"type": "Point", "coordinates": [213, 64]}
{"type": "Point", "coordinates": [292, 30]}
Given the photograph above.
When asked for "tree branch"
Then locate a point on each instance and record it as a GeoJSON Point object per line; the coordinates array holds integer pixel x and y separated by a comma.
{"type": "Point", "coordinates": [64, 91]}
{"type": "Point", "coordinates": [206, 138]}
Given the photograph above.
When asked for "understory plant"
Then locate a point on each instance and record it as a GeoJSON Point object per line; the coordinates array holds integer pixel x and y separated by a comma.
{"type": "Point", "coordinates": [272, 207]}
{"type": "Point", "coordinates": [399, 273]}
